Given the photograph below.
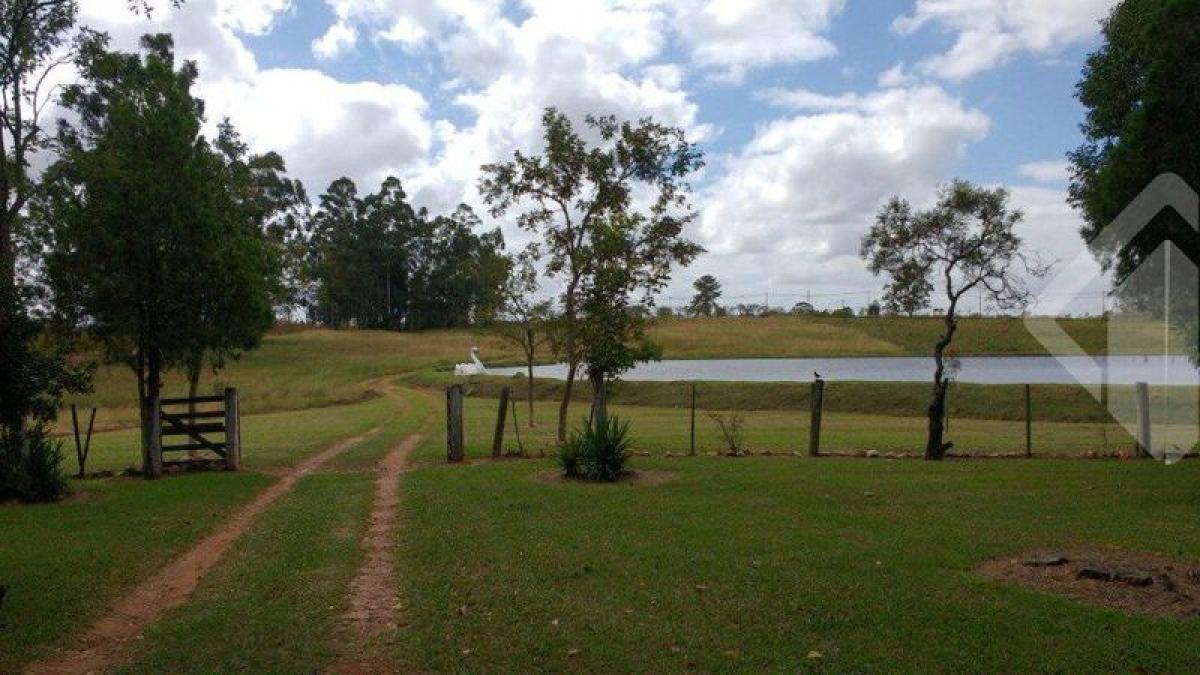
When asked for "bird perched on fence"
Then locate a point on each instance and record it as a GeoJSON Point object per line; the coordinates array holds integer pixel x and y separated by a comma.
{"type": "Point", "coordinates": [816, 375]}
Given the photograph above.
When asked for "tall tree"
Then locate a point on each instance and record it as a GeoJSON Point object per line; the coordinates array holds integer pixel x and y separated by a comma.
{"type": "Point", "coordinates": [629, 266]}
{"type": "Point", "coordinates": [965, 242]}
{"type": "Point", "coordinates": [572, 190]}
{"type": "Point", "coordinates": [153, 267]}
{"type": "Point", "coordinates": [1141, 91]}
{"type": "Point", "coordinates": [708, 291]}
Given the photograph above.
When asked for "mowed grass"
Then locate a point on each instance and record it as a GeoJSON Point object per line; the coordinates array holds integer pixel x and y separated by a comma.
{"type": "Point", "coordinates": [65, 563]}
{"type": "Point", "coordinates": [284, 582]}
{"type": "Point", "coordinates": [782, 565]}
{"type": "Point", "coordinates": [661, 430]}
{"type": "Point", "coordinates": [273, 604]}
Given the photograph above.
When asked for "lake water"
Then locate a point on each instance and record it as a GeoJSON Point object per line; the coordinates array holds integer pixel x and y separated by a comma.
{"type": "Point", "coordinates": [1175, 370]}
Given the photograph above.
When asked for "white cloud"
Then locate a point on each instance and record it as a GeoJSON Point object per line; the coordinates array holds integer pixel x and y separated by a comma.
{"type": "Point", "coordinates": [730, 37]}
{"type": "Point", "coordinates": [896, 76]}
{"type": "Point", "coordinates": [253, 17]}
{"type": "Point", "coordinates": [988, 33]}
{"type": "Point", "coordinates": [807, 186]}
{"type": "Point", "coordinates": [1046, 172]}
{"type": "Point", "coordinates": [336, 41]}
{"type": "Point", "coordinates": [324, 128]}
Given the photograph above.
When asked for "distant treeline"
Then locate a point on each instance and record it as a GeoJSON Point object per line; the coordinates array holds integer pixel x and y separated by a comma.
{"type": "Point", "coordinates": [376, 262]}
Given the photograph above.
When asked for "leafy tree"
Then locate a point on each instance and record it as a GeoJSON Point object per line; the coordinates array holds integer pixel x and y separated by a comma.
{"type": "Point", "coordinates": [1141, 90]}
{"type": "Point", "coordinates": [612, 328]}
{"type": "Point", "coordinates": [872, 309]}
{"type": "Point", "coordinates": [524, 320]}
{"type": "Point", "coordinates": [155, 268]}
{"type": "Point", "coordinates": [571, 195]}
{"type": "Point", "coordinates": [33, 371]}
{"type": "Point", "coordinates": [375, 262]}
{"type": "Point", "coordinates": [708, 291]}
{"type": "Point", "coordinates": [965, 242]}
{"type": "Point", "coordinates": [909, 291]}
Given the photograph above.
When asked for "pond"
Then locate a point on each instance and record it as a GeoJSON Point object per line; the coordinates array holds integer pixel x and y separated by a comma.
{"type": "Point", "coordinates": [1173, 370]}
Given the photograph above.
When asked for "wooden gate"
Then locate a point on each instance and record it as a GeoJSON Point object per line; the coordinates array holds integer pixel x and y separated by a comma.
{"type": "Point", "coordinates": [192, 425]}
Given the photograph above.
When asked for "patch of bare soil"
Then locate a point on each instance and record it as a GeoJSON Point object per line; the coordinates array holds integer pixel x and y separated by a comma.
{"type": "Point", "coordinates": [643, 477]}
{"type": "Point", "coordinates": [374, 605]}
{"type": "Point", "coordinates": [106, 644]}
{"type": "Point", "coordinates": [1127, 581]}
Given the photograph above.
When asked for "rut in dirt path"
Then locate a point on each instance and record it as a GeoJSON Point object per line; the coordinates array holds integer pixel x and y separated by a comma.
{"type": "Point", "coordinates": [107, 643]}
{"type": "Point", "coordinates": [374, 604]}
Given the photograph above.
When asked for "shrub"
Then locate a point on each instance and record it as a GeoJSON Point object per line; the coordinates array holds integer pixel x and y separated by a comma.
{"type": "Point", "coordinates": [731, 431]}
{"type": "Point", "coordinates": [31, 466]}
{"type": "Point", "coordinates": [597, 452]}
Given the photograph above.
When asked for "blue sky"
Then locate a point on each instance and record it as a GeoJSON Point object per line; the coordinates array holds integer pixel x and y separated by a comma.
{"type": "Point", "coordinates": [811, 112]}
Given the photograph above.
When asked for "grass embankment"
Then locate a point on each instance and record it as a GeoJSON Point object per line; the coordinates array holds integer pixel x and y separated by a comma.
{"type": "Point", "coordinates": [65, 563]}
{"type": "Point", "coordinates": [308, 368]}
{"type": "Point", "coordinates": [1005, 402]}
{"type": "Point", "coordinates": [752, 565]}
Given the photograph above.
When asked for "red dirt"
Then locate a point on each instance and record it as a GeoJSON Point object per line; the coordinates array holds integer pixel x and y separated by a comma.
{"type": "Point", "coordinates": [374, 604]}
{"type": "Point", "coordinates": [1127, 581]}
{"type": "Point", "coordinates": [107, 643]}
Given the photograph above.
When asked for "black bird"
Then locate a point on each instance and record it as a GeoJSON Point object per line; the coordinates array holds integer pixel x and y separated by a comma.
{"type": "Point", "coordinates": [816, 375]}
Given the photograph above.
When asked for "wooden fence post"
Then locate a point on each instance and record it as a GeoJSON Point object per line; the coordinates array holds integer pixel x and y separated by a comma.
{"type": "Point", "coordinates": [1028, 422]}
{"type": "Point", "coordinates": [1143, 417]}
{"type": "Point", "coordinates": [152, 438]}
{"type": "Point", "coordinates": [454, 424]}
{"type": "Point", "coordinates": [693, 443]}
{"type": "Point", "coordinates": [814, 427]}
{"type": "Point", "coordinates": [233, 430]}
{"type": "Point", "coordinates": [501, 415]}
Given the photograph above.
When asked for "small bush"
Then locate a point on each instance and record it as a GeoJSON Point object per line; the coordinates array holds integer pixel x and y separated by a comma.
{"type": "Point", "coordinates": [731, 431]}
{"type": "Point", "coordinates": [597, 452]}
{"type": "Point", "coordinates": [31, 466]}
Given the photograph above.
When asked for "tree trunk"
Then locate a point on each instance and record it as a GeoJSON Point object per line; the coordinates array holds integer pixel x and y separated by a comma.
{"type": "Point", "coordinates": [599, 401]}
{"type": "Point", "coordinates": [935, 446]}
{"type": "Point", "coordinates": [193, 390]}
{"type": "Point", "coordinates": [565, 405]}
{"type": "Point", "coordinates": [529, 391]}
{"type": "Point", "coordinates": [150, 386]}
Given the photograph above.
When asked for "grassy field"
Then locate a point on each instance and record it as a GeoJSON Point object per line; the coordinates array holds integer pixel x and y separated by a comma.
{"type": "Point", "coordinates": [307, 368]}
{"type": "Point", "coordinates": [752, 565]}
{"type": "Point", "coordinates": [64, 563]}
{"type": "Point", "coordinates": [735, 564]}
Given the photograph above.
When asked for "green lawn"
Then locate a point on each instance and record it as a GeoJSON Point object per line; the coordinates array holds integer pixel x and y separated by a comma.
{"type": "Point", "coordinates": [64, 563]}
{"type": "Point", "coordinates": [734, 564]}
{"type": "Point", "coordinates": [751, 564]}
{"type": "Point", "coordinates": [660, 430]}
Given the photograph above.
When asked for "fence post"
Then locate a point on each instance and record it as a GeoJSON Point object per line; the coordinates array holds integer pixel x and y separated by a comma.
{"type": "Point", "coordinates": [1143, 417]}
{"type": "Point", "coordinates": [152, 437]}
{"type": "Point", "coordinates": [814, 428]}
{"type": "Point", "coordinates": [454, 425]}
{"type": "Point", "coordinates": [1028, 422]}
{"type": "Point", "coordinates": [501, 417]}
{"type": "Point", "coordinates": [693, 436]}
{"type": "Point", "coordinates": [233, 430]}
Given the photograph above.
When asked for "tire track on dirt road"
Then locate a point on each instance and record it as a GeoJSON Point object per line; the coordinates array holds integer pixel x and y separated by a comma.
{"type": "Point", "coordinates": [108, 643]}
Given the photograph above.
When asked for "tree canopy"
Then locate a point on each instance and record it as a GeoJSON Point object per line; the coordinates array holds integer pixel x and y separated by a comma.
{"type": "Point", "coordinates": [708, 291]}
{"type": "Point", "coordinates": [1141, 91]}
{"type": "Point", "coordinates": [966, 242]}
{"type": "Point", "coordinates": [376, 262]}
{"type": "Point", "coordinates": [160, 270]}
{"type": "Point", "coordinates": [577, 196]}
